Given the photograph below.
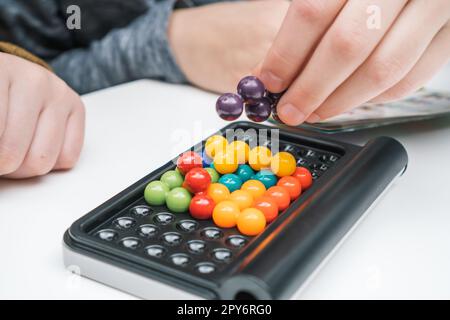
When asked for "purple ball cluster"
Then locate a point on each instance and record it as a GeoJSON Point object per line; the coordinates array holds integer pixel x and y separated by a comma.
{"type": "Point", "coordinates": [258, 102]}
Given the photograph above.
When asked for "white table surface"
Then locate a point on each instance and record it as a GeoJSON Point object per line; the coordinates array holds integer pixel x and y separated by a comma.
{"type": "Point", "coordinates": [401, 249]}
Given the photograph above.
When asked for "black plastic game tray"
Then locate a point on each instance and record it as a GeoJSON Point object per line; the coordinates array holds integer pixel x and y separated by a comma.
{"type": "Point", "coordinates": [196, 256]}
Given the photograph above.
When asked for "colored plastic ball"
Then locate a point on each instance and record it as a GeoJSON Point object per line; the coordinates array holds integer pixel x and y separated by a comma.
{"type": "Point", "coordinates": [241, 149]}
{"type": "Point", "coordinates": [231, 181]}
{"type": "Point", "coordinates": [201, 207]}
{"type": "Point", "coordinates": [225, 162]}
{"type": "Point", "coordinates": [266, 177]}
{"type": "Point", "coordinates": [215, 144]}
{"type": "Point", "coordinates": [245, 172]}
{"type": "Point", "coordinates": [229, 106]}
{"type": "Point", "coordinates": [187, 161]}
{"type": "Point", "coordinates": [280, 195]}
{"type": "Point", "coordinates": [292, 185]}
{"type": "Point", "coordinates": [242, 198]}
{"type": "Point", "coordinates": [156, 192]}
{"type": "Point", "coordinates": [258, 110]}
{"type": "Point", "coordinates": [251, 88]}
{"type": "Point", "coordinates": [283, 164]}
{"type": "Point", "coordinates": [304, 176]}
{"type": "Point", "coordinates": [218, 192]}
{"type": "Point", "coordinates": [268, 207]}
{"type": "Point", "coordinates": [213, 174]}
{"type": "Point", "coordinates": [178, 200]}
{"type": "Point", "coordinates": [172, 178]}
{"type": "Point", "coordinates": [225, 214]}
{"type": "Point", "coordinates": [254, 187]}
{"type": "Point", "coordinates": [259, 158]}
{"type": "Point", "coordinates": [197, 180]}
{"type": "Point", "coordinates": [251, 222]}
{"type": "Point", "coordinates": [206, 160]}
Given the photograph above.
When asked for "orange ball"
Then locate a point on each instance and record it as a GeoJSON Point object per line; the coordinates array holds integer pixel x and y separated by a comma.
{"type": "Point", "coordinates": [218, 192]}
{"type": "Point", "coordinates": [268, 207]}
{"type": "Point", "coordinates": [225, 214]}
{"type": "Point", "coordinates": [255, 187]}
{"type": "Point", "coordinates": [280, 195]}
{"type": "Point", "coordinates": [251, 222]}
{"type": "Point", "coordinates": [304, 176]}
{"type": "Point", "coordinates": [242, 198]}
{"type": "Point", "coordinates": [292, 185]}
{"type": "Point", "coordinates": [283, 164]}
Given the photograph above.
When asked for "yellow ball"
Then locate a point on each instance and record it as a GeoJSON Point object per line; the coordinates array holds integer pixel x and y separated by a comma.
{"type": "Point", "coordinates": [241, 149]}
{"type": "Point", "coordinates": [259, 158]}
{"type": "Point", "coordinates": [214, 145]}
{"type": "Point", "coordinates": [225, 162]}
{"type": "Point", "coordinates": [283, 164]}
{"type": "Point", "coordinates": [242, 198]}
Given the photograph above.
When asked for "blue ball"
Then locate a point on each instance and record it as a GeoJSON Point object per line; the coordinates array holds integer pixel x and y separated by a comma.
{"type": "Point", "coordinates": [231, 181]}
{"type": "Point", "coordinates": [207, 161]}
{"type": "Point", "coordinates": [266, 177]}
{"type": "Point", "coordinates": [245, 172]}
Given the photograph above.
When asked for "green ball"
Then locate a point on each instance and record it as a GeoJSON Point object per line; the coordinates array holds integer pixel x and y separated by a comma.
{"type": "Point", "coordinates": [172, 178]}
{"type": "Point", "coordinates": [214, 175]}
{"type": "Point", "coordinates": [178, 200]}
{"type": "Point", "coordinates": [156, 192]}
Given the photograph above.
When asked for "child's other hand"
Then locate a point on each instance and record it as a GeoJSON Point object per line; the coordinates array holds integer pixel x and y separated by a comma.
{"type": "Point", "coordinates": [41, 120]}
{"type": "Point", "coordinates": [216, 45]}
{"type": "Point", "coordinates": [335, 55]}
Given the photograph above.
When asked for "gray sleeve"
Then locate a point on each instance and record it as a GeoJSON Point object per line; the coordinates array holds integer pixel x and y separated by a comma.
{"type": "Point", "coordinates": [138, 51]}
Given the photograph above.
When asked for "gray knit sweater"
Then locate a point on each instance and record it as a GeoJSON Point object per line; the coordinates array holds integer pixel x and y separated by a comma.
{"type": "Point", "coordinates": [119, 40]}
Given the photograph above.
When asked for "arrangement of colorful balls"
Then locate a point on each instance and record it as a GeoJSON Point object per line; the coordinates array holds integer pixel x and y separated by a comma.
{"type": "Point", "coordinates": [234, 185]}
{"type": "Point", "coordinates": [252, 96]}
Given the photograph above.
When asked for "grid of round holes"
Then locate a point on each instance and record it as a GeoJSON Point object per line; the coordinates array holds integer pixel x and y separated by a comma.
{"type": "Point", "coordinates": [175, 241]}
{"type": "Point", "coordinates": [187, 248]}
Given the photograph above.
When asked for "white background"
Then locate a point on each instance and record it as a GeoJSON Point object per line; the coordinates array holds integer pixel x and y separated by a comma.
{"type": "Point", "coordinates": [401, 250]}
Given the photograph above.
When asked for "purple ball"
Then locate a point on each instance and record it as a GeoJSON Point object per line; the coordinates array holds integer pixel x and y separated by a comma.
{"type": "Point", "coordinates": [229, 106]}
{"type": "Point", "coordinates": [251, 88]}
{"type": "Point", "coordinates": [274, 97]}
{"type": "Point", "coordinates": [275, 113]}
{"type": "Point", "coordinates": [258, 110]}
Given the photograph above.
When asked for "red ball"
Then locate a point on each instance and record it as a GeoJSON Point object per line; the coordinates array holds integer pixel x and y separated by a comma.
{"type": "Point", "coordinates": [197, 180]}
{"type": "Point", "coordinates": [292, 185]}
{"type": "Point", "coordinates": [201, 207]}
{"type": "Point", "coordinates": [268, 207]}
{"type": "Point", "coordinates": [188, 161]}
{"type": "Point", "coordinates": [304, 176]}
{"type": "Point", "coordinates": [280, 195]}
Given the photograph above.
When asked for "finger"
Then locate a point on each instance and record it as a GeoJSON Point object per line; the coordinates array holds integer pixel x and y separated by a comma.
{"type": "Point", "coordinates": [4, 97]}
{"type": "Point", "coordinates": [73, 139]}
{"type": "Point", "coordinates": [304, 24]}
{"type": "Point", "coordinates": [399, 51]}
{"type": "Point", "coordinates": [46, 144]}
{"type": "Point", "coordinates": [435, 57]}
{"type": "Point", "coordinates": [345, 46]}
{"type": "Point", "coordinates": [22, 116]}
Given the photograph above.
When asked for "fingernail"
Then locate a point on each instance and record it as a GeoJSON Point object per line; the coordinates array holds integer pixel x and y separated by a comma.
{"type": "Point", "coordinates": [290, 114]}
{"type": "Point", "coordinates": [271, 81]}
{"type": "Point", "coordinates": [313, 118]}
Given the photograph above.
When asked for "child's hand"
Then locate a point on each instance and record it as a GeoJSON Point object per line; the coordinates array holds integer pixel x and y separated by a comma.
{"type": "Point", "coordinates": [216, 45]}
{"type": "Point", "coordinates": [41, 120]}
{"type": "Point", "coordinates": [336, 55]}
